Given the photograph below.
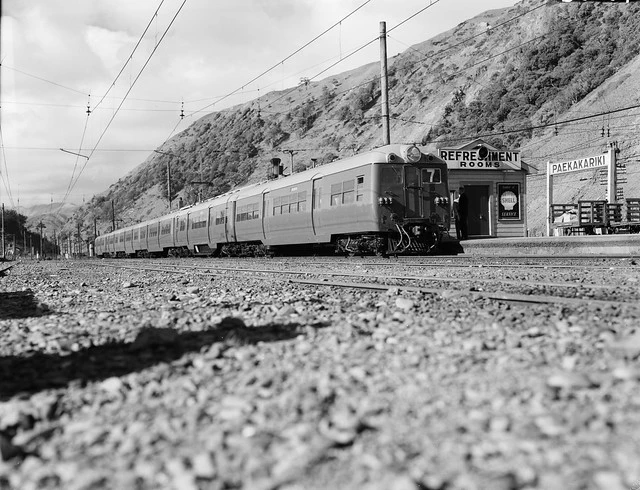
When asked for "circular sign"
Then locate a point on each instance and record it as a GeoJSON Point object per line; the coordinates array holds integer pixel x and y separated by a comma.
{"type": "Point", "coordinates": [508, 200]}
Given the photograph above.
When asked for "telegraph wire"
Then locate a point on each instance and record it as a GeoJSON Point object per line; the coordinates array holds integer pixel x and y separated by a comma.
{"type": "Point", "coordinates": [367, 82]}
{"type": "Point", "coordinates": [5, 179]}
{"type": "Point", "coordinates": [286, 58]}
{"type": "Point", "coordinates": [127, 93]}
{"type": "Point", "coordinates": [287, 92]}
{"type": "Point", "coordinates": [546, 125]}
{"type": "Point", "coordinates": [131, 55]}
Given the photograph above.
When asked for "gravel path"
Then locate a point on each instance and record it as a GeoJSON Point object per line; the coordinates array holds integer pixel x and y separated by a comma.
{"type": "Point", "coordinates": [120, 379]}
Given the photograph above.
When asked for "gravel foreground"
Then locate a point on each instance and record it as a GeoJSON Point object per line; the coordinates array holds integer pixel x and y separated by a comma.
{"type": "Point", "coordinates": [129, 380]}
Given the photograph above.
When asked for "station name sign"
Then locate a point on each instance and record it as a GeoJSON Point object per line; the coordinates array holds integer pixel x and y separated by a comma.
{"type": "Point", "coordinates": [481, 160]}
{"type": "Point", "coordinates": [580, 164]}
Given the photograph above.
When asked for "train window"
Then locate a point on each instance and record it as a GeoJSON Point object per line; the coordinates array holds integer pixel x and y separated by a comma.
{"type": "Point", "coordinates": [241, 213]}
{"type": "Point", "coordinates": [431, 176]}
{"type": "Point", "coordinates": [221, 218]}
{"type": "Point", "coordinates": [183, 224]}
{"type": "Point", "coordinates": [391, 175]}
{"type": "Point", "coordinates": [336, 194]}
{"type": "Point", "coordinates": [302, 201]}
{"type": "Point", "coordinates": [348, 193]}
{"type": "Point", "coordinates": [360, 188]}
{"type": "Point", "coordinates": [413, 176]}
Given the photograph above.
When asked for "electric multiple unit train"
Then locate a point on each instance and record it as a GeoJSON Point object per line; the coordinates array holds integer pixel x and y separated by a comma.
{"type": "Point", "coordinates": [391, 200]}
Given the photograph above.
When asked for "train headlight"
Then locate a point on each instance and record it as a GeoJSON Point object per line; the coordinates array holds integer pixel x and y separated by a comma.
{"type": "Point", "coordinates": [385, 201]}
{"type": "Point", "coordinates": [413, 154]}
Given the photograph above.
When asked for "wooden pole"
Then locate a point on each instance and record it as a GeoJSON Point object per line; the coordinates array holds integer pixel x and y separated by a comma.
{"type": "Point", "coordinates": [384, 85]}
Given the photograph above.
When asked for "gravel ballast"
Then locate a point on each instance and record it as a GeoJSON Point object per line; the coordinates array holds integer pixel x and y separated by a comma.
{"type": "Point", "coordinates": [124, 379]}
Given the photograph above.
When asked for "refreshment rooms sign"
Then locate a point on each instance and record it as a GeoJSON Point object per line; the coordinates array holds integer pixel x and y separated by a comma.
{"type": "Point", "coordinates": [477, 160]}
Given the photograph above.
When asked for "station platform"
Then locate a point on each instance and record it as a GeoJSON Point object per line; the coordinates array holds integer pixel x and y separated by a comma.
{"type": "Point", "coordinates": [570, 246]}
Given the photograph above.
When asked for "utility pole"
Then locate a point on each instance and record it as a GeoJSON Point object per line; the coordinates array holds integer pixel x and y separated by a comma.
{"type": "Point", "coordinates": [79, 241]}
{"type": "Point", "coordinates": [169, 182]}
{"type": "Point", "coordinates": [41, 226]}
{"type": "Point", "coordinates": [2, 229]}
{"type": "Point", "coordinates": [291, 153]}
{"type": "Point", "coordinates": [168, 173]}
{"type": "Point", "coordinates": [113, 216]}
{"type": "Point", "coordinates": [384, 84]}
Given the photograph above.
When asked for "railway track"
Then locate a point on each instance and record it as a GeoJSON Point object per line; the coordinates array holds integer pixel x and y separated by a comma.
{"type": "Point", "coordinates": [478, 281]}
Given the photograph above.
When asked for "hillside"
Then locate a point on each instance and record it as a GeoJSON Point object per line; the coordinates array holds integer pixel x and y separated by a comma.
{"type": "Point", "coordinates": [496, 76]}
{"type": "Point", "coordinates": [54, 216]}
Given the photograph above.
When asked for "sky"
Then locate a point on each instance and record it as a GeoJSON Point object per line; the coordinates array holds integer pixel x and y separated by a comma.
{"type": "Point", "coordinates": [62, 58]}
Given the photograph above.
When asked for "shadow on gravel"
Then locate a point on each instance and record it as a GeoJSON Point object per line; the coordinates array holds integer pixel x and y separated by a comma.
{"type": "Point", "coordinates": [152, 346]}
{"type": "Point", "coordinates": [19, 304]}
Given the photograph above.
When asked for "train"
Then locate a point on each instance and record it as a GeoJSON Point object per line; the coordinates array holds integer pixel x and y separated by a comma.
{"type": "Point", "coordinates": [391, 200]}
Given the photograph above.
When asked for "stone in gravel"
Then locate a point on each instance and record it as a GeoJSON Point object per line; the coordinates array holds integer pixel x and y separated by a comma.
{"type": "Point", "coordinates": [203, 466]}
{"type": "Point", "coordinates": [608, 480]}
{"type": "Point", "coordinates": [569, 381]}
{"type": "Point", "coordinates": [624, 373]}
{"type": "Point", "coordinates": [8, 450]}
{"type": "Point", "coordinates": [534, 332]}
{"type": "Point", "coordinates": [112, 385]}
{"type": "Point", "coordinates": [193, 290]}
{"type": "Point", "coordinates": [626, 347]}
{"type": "Point", "coordinates": [404, 304]}
{"type": "Point", "coordinates": [127, 284]}
{"type": "Point", "coordinates": [549, 426]}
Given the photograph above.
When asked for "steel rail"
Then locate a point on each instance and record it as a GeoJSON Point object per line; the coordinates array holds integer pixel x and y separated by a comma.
{"type": "Point", "coordinates": [517, 298]}
{"type": "Point", "coordinates": [207, 270]}
{"type": "Point", "coordinates": [500, 296]}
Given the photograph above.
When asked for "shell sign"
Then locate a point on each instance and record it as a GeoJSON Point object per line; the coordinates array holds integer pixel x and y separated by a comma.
{"type": "Point", "coordinates": [509, 200]}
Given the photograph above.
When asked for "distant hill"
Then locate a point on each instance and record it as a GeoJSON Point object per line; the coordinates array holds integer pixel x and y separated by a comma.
{"type": "Point", "coordinates": [496, 76]}
{"type": "Point", "coordinates": [36, 210]}
{"type": "Point", "coordinates": [54, 216]}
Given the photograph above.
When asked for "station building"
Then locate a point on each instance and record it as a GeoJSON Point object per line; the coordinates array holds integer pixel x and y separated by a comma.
{"type": "Point", "coordinates": [496, 187]}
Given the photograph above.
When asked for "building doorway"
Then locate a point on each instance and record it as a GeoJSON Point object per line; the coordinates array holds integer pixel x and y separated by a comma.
{"type": "Point", "coordinates": [478, 223]}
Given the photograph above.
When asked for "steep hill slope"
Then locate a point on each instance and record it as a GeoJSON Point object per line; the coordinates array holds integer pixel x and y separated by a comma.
{"type": "Point", "coordinates": [496, 75]}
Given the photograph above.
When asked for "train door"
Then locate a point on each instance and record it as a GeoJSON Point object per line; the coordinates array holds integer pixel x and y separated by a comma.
{"type": "Point", "coordinates": [316, 204]}
{"type": "Point", "coordinates": [230, 221]}
{"type": "Point", "coordinates": [265, 214]}
{"type": "Point", "coordinates": [417, 182]}
{"type": "Point", "coordinates": [478, 223]}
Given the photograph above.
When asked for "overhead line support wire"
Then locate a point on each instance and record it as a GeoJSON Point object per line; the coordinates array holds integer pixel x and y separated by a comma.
{"type": "Point", "coordinates": [540, 126]}
{"type": "Point", "coordinates": [128, 91]}
{"type": "Point", "coordinates": [285, 59]}
{"type": "Point", "coordinates": [131, 55]}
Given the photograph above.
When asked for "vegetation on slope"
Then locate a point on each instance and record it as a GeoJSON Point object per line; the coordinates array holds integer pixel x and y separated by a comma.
{"type": "Point", "coordinates": [581, 49]}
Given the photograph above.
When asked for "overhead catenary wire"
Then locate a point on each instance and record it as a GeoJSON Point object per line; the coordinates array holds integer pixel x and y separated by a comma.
{"type": "Point", "coordinates": [128, 91]}
{"type": "Point", "coordinates": [154, 16]}
{"type": "Point", "coordinates": [268, 70]}
{"type": "Point", "coordinates": [5, 179]}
